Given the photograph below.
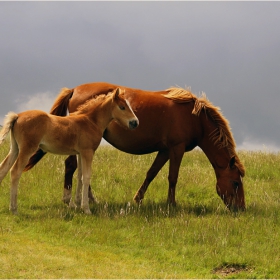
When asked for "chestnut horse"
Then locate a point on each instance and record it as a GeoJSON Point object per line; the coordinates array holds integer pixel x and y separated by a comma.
{"type": "Point", "coordinates": [172, 122]}
{"type": "Point", "coordinates": [78, 134]}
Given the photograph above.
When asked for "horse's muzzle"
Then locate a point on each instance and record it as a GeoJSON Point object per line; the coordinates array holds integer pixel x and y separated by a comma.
{"type": "Point", "coordinates": [133, 124]}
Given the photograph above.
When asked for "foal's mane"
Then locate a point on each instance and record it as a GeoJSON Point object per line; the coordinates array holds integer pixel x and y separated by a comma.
{"type": "Point", "coordinates": [89, 104]}
{"type": "Point", "coordinates": [221, 136]}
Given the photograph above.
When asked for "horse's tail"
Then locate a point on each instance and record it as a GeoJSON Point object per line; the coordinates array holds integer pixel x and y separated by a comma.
{"type": "Point", "coordinates": [9, 121]}
{"type": "Point", "coordinates": [60, 105]}
{"type": "Point", "coordinates": [34, 159]}
{"type": "Point", "coordinates": [59, 108]}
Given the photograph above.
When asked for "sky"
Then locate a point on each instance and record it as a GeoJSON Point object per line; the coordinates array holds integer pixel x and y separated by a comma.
{"type": "Point", "coordinates": [229, 50]}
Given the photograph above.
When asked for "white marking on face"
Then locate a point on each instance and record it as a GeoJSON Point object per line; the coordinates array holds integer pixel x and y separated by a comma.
{"type": "Point", "coordinates": [128, 104]}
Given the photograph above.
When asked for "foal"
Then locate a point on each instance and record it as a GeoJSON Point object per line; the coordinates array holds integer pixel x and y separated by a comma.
{"type": "Point", "coordinates": [79, 134]}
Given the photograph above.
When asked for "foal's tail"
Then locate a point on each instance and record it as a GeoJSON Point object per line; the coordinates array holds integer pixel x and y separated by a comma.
{"type": "Point", "coordinates": [9, 121]}
{"type": "Point", "coordinates": [59, 108]}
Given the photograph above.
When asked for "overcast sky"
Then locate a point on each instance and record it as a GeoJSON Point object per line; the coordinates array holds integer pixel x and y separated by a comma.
{"type": "Point", "coordinates": [229, 50]}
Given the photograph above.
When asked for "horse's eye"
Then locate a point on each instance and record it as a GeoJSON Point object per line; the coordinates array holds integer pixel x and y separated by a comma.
{"type": "Point", "coordinates": [122, 108]}
{"type": "Point", "coordinates": [235, 185]}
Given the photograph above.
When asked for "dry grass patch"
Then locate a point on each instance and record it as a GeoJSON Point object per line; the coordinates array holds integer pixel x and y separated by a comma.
{"type": "Point", "coordinates": [229, 269]}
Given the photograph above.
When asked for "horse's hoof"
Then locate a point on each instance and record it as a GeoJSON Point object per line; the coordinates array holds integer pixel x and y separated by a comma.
{"type": "Point", "coordinates": [171, 203]}
{"type": "Point", "coordinates": [137, 199]}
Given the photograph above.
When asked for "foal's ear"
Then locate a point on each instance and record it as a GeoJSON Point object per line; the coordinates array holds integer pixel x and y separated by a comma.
{"type": "Point", "coordinates": [116, 94]}
{"type": "Point", "coordinates": [232, 162]}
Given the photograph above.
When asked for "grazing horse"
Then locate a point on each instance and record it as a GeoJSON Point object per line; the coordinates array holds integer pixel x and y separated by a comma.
{"type": "Point", "coordinates": [172, 122]}
{"type": "Point", "coordinates": [79, 134]}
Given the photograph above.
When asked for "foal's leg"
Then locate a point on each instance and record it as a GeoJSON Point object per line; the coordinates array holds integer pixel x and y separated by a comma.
{"type": "Point", "coordinates": [8, 162]}
{"type": "Point", "coordinates": [78, 197]}
{"type": "Point", "coordinates": [16, 172]}
{"type": "Point", "coordinates": [175, 154]}
{"type": "Point", "coordinates": [161, 158]}
{"type": "Point", "coordinates": [70, 168]}
{"type": "Point", "coordinates": [86, 160]}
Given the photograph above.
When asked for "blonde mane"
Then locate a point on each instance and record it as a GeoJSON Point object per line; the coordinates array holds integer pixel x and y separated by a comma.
{"type": "Point", "coordinates": [221, 136]}
{"type": "Point", "coordinates": [85, 107]}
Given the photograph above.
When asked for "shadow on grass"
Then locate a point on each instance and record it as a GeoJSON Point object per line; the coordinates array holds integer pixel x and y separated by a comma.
{"type": "Point", "coordinates": [153, 209]}
{"type": "Point", "coordinates": [114, 210]}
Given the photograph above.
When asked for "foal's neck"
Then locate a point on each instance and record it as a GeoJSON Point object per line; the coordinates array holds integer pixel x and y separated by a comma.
{"type": "Point", "coordinates": [101, 114]}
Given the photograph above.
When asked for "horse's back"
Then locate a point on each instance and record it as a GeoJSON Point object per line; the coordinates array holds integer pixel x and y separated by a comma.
{"type": "Point", "coordinates": [84, 92]}
{"type": "Point", "coordinates": [162, 122]}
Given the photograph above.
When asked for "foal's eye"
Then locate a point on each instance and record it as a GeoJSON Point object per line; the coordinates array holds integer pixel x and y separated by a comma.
{"type": "Point", "coordinates": [122, 108]}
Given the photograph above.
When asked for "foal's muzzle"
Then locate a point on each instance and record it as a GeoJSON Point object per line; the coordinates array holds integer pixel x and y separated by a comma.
{"type": "Point", "coordinates": [133, 124]}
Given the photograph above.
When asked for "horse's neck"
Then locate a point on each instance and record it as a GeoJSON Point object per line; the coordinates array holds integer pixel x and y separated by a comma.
{"type": "Point", "coordinates": [218, 156]}
{"type": "Point", "coordinates": [101, 115]}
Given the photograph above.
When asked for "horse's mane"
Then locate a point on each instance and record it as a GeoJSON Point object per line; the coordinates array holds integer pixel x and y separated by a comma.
{"type": "Point", "coordinates": [221, 136]}
{"type": "Point", "coordinates": [91, 103]}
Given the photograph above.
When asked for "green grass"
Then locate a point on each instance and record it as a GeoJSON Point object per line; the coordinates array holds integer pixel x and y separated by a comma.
{"type": "Point", "coordinates": [197, 239]}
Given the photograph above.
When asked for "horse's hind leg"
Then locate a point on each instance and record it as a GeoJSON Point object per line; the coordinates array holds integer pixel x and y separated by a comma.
{"type": "Point", "coordinates": [160, 160]}
{"type": "Point", "coordinates": [175, 155]}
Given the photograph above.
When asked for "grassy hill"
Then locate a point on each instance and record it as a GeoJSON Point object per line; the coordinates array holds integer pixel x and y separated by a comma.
{"type": "Point", "coordinates": [197, 239]}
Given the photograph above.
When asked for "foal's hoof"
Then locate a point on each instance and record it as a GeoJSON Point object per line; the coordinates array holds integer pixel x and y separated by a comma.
{"type": "Point", "coordinates": [14, 211]}
{"type": "Point", "coordinates": [72, 204]}
{"type": "Point", "coordinates": [91, 198]}
{"type": "Point", "coordinates": [87, 211]}
{"type": "Point", "coordinates": [66, 200]}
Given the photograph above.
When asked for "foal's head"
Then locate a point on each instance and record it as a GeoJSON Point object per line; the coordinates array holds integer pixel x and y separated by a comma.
{"type": "Point", "coordinates": [122, 111]}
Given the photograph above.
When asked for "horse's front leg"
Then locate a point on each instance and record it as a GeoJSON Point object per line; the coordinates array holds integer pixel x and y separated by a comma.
{"type": "Point", "coordinates": [175, 154]}
{"type": "Point", "coordinates": [161, 158]}
{"type": "Point", "coordinates": [70, 168]}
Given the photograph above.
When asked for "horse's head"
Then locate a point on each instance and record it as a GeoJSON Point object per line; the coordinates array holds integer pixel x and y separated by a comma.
{"type": "Point", "coordinates": [230, 187]}
{"type": "Point", "coordinates": [122, 111]}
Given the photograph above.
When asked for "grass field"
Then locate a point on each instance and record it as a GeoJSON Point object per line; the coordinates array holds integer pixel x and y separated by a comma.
{"type": "Point", "coordinates": [197, 239]}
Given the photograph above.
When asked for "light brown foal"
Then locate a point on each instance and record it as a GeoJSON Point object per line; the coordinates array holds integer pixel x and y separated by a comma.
{"type": "Point", "coordinates": [79, 134]}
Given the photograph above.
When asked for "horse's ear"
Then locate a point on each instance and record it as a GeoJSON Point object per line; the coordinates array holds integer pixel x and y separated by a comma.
{"type": "Point", "coordinates": [232, 162]}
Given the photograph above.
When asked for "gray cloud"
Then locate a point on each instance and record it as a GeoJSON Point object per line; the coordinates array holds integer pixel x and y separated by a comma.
{"type": "Point", "coordinates": [230, 50]}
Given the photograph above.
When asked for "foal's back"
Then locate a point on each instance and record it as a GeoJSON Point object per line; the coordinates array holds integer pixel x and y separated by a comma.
{"type": "Point", "coordinates": [54, 134]}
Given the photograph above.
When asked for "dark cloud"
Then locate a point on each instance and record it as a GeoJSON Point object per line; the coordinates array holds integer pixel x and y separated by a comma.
{"type": "Point", "coordinates": [230, 50]}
